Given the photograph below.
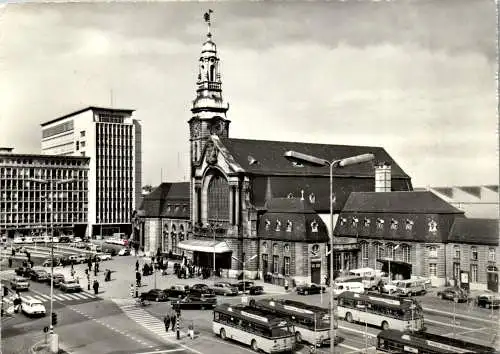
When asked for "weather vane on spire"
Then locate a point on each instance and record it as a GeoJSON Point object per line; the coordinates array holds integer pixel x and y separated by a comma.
{"type": "Point", "coordinates": [208, 21]}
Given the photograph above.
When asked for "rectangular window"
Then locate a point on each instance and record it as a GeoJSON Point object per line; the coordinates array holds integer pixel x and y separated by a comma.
{"type": "Point", "coordinates": [364, 254]}
{"type": "Point", "coordinates": [82, 144]}
{"type": "Point", "coordinates": [276, 264]}
{"type": "Point", "coordinates": [433, 269]}
{"type": "Point", "coordinates": [433, 252]}
{"type": "Point", "coordinates": [82, 133]}
{"type": "Point", "coordinates": [456, 252]}
{"type": "Point", "coordinates": [77, 146]}
{"type": "Point", "coordinates": [473, 273]}
{"type": "Point", "coordinates": [491, 255]}
{"type": "Point", "coordinates": [406, 254]}
{"type": "Point", "coordinates": [473, 253]}
{"type": "Point", "coordinates": [287, 265]}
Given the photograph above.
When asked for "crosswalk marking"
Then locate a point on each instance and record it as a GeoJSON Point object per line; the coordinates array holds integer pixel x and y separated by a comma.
{"type": "Point", "coordinates": [64, 296]}
{"type": "Point", "coordinates": [72, 296]}
{"type": "Point", "coordinates": [81, 296]}
{"type": "Point", "coordinates": [44, 297]}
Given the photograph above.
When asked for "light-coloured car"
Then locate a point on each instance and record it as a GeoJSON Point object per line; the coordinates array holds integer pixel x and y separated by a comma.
{"type": "Point", "coordinates": [77, 239]}
{"type": "Point", "coordinates": [28, 240]}
{"type": "Point", "coordinates": [124, 252]}
{"type": "Point", "coordinates": [104, 257]}
{"type": "Point", "coordinates": [18, 240]}
{"type": "Point", "coordinates": [225, 289]}
{"type": "Point", "coordinates": [33, 307]}
{"type": "Point", "coordinates": [70, 285]}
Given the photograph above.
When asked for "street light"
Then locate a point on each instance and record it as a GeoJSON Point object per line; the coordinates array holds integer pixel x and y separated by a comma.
{"type": "Point", "coordinates": [392, 256]}
{"type": "Point", "coordinates": [52, 183]}
{"type": "Point", "coordinates": [243, 263]}
{"type": "Point", "coordinates": [338, 164]}
{"type": "Point", "coordinates": [213, 227]}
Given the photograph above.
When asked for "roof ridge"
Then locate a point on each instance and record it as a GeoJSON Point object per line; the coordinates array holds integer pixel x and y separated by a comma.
{"type": "Point", "coordinates": [299, 142]}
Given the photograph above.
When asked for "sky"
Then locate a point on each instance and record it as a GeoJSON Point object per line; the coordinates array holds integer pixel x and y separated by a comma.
{"type": "Point", "coordinates": [416, 77]}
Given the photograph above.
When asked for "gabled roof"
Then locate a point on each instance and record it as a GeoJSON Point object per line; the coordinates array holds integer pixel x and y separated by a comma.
{"type": "Point", "coordinates": [94, 108]}
{"type": "Point", "coordinates": [155, 203]}
{"type": "Point", "coordinates": [421, 202]}
{"type": "Point", "coordinates": [267, 157]}
{"type": "Point", "coordinates": [289, 205]}
{"type": "Point", "coordinates": [475, 231]}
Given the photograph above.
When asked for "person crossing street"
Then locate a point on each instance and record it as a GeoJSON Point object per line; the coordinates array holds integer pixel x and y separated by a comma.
{"type": "Point", "coordinates": [166, 320]}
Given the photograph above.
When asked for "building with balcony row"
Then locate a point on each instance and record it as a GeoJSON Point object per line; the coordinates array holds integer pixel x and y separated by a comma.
{"type": "Point", "coordinates": [37, 191]}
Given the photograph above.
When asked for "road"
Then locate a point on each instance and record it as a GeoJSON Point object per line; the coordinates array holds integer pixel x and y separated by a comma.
{"type": "Point", "coordinates": [111, 323]}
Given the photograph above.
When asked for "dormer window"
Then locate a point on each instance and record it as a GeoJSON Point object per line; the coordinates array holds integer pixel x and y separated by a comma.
{"type": "Point", "coordinates": [394, 224]}
{"type": "Point", "coordinates": [312, 198]}
{"type": "Point", "coordinates": [297, 164]}
{"type": "Point", "coordinates": [278, 225]}
{"type": "Point", "coordinates": [314, 226]}
{"type": "Point", "coordinates": [343, 221]}
{"type": "Point", "coordinates": [432, 226]}
{"type": "Point", "coordinates": [409, 224]}
{"type": "Point", "coordinates": [268, 224]}
{"type": "Point", "coordinates": [355, 221]}
{"type": "Point", "coordinates": [380, 223]}
{"type": "Point", "coordinates": [288, 226]}
{"type": "Point", "coordinates": [367, 222]}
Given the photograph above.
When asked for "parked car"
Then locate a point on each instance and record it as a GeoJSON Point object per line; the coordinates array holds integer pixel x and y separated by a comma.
{"type": "Point", "coordinates": [200, 301]}
{"type": "Point", "coordinates": [64, 239]}
{"type": "Point", "coordinates": [104, 257]}
{"type": "Point", "coordinates": [410, 287]}
{"type": "Point", "coordinates": [22, 271]}
{"type": "Point", "coordinates": [19, 283]}
{"type": "Point", "coordinates": [40, 275]}
{"type": "Point", "coordinates": [177, 291]}
{"type": "Point", "coordinates": [69, 285]}
{"type": "Point", "coordinates": [201, 289]}
{"type": "Point", "coordinates": [488, 300]}
{"type": "Point", "coordinates": [32, 307]}
{"type": "Point", "coordinates": [225, 289]}
{"type": "Point", "coordinates": [154, 295]}
{"type": "Point", "coordinates": [77, 240]}
{"type": "Point", "coordinates": [48, 262]}
{"type": "Point", "coordinates": [74, 259]}
{"type": "Point", "coordinates": [124, 252]}
{"type": "Point", "coordinates": [455, 294]}
{"type": "Point", "coordinates": [310, 289]}
{"type": "Point", "coordinates": [249, 286]}
{"type": "Point", "coordinates": [80, 245]}
{"type": "Point", "coordinates": [58, 278]}
{"type": "Point", "coordinates": [28, 240]}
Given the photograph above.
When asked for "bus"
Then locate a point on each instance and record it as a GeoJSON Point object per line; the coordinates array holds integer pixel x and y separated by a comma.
{"type": "Point", "coordinates": [394, 341]}
{"type": "Point", "coordinates": [312, 323]}
{"type": "Point", "coordinates": [261, 330]}
{"type": "Point", "coordinates": [381, 310]}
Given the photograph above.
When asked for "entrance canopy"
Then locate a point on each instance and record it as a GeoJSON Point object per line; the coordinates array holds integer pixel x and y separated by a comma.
{"type": "Point", "coordinates": [204, 246]}
{"type": "Point", "coordinates": [397, 267]}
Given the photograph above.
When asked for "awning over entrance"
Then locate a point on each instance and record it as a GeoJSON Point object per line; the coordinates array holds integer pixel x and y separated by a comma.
{"type": "Point", "coordinates": [397, 267]}
{"type": "Point", "coordinates": [204, 246]}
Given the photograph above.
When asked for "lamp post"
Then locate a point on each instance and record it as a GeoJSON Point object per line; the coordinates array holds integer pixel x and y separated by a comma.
{"type": "Point", "coordinates": [52, 184]}
{"type": "Point", "coordinates": [244, 263]}
{"type": "Point", "coordinates": [391, 257]}
{"type": "Point", "coordinates": [213, 227]}
{"type": "Point", "coordinates": [338, 164]}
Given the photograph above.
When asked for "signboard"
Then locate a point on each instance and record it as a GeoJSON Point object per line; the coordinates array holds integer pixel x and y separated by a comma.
{"type": "Point", "coordinates": [464, 280]}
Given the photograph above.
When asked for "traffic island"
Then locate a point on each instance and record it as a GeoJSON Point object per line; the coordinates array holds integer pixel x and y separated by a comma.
{"type": "Point", "coordinates": [44, 348]}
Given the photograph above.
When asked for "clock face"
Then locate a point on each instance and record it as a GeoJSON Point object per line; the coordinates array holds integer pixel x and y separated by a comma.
{"type": "Point", "coordinates": [217, 128]}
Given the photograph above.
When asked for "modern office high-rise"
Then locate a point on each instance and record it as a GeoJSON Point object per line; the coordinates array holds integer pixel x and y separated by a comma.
{"type": "Point", "coordinates": [40, 192]}
{"type": "Point", "coordinates": [112, 139]}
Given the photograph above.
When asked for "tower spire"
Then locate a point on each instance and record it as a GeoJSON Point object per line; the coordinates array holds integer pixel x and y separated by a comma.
{"type": "Point", "coordinates": [209, 22]}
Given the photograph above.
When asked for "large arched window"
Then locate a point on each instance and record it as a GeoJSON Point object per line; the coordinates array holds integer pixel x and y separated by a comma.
{"type": "Point", "coordinates": [218, 199]}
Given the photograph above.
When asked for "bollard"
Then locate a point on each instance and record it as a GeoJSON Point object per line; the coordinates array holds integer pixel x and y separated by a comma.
{"type": "Point", "coordinates": [54, 343]}
{"type": "Point", "coordinates": [178, 328]}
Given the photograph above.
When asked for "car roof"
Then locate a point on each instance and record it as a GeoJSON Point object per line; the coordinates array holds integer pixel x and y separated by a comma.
{"type": "Point", "coordinates": [34, 301]}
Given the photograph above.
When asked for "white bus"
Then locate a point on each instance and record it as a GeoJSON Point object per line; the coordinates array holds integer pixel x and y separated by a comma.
{"type": "Point", "coordinates": [381, 310]}
{"type": "Point", "coordinates": [312, 323]}
{"type": "Point", "coordinates": [254, 327]}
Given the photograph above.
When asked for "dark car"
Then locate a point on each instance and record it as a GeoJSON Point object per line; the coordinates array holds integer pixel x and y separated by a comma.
{"type": "Point", "coordinates": [58, 278]}
{"type": "Point", "coordinates": [39, 275]}
{"type": "Point", "coordinates": [455, 294]}
{"type": "Point", "coordinates": [249, 286]}
{"type": "Point", "coordinates": [201, 289]}
{"type": "Point", "coordinates": [155, 295]}
{"type": "Point", "coordinates": [488, 300]}
{"type": "Point", "coordinates": [310, 289]}
{"type": "Point", "coordinates": [64, 239]}
{"type": "Point", "coordinates": [177, 291]}
{"type": "Point", "coordinates": [197, 301]}
{"type": "Point", "coordinates": [225, 289]}
{"type": "Point", "coordinates": [22, 271]}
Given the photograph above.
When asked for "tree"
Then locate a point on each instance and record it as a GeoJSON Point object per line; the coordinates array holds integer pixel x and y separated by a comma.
{"type": "Point", "coordinates": [147, 188]}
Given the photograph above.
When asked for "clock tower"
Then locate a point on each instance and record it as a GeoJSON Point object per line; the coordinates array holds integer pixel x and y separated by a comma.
{"type": "Point", "coordinates": [209, 109]}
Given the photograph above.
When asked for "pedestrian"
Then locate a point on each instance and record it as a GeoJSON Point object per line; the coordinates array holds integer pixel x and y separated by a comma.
{"type": "Point", "coordinates": [137, 265]}
{"type": "Point", "coordinates": [17, 302]}
{"type": "Point", "coordinates": [166, 321]}
{"type": "Point", "coordinates": [173, 318]}
{"type": "Point", "coordinates": [138, 278]}
{"type": "Point", "coordinates": [191, 330]}
{"type": "Point", "coordinates": [72, 272]}
{"type": "Point", "coordinates": [96, 287]}
{"type": "Point", "coordinates": [10, 262]}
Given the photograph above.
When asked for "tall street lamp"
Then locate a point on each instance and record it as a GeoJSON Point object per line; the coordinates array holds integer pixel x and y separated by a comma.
{"type": "Point", "coordinates": [52, 184]}
{"type": "Point", "coordinates": [244, 263]}
{"type": "Point", "coordinates": [338, 164]}
{"type": "Point", "coordinates": [213, 227]}
{"type": "Point", "coordinates": [391, 257]}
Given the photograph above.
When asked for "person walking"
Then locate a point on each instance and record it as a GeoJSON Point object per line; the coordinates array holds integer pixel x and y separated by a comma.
{"type": "Point", "coordinates": [166, 321]}
{"type": "Point", "coordinates": [10, 262]}
{"type": "Point", "coordinates": [191, 330]}
{"type": "Point", "coordinates": [138, 278]}
{"type": "Point", "coordinates": [96, 287]}
{"type": "Point", "coordinates": [173, 318]}
{"type": "Point", "coordinates": [137, 266]}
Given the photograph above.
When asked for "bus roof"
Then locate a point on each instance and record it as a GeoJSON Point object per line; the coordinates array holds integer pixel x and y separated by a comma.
{"type": "Point", "coordinates": [430, 340]}
{"type": "Point", "coordinates": [295, 309]}
{"type": "Point", "coordinates": [302, 305]}
{"type": "Point", "coordinates": [384, 299]}
{"type": "Point", "coordinates": [260, 316]}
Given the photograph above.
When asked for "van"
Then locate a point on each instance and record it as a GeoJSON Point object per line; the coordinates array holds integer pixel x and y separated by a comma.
{"type": "Point", "coordinates": [349, 279]}
{"type": "Point", "coordinates": [410, 287]}
{"type": "Point", "coordinates": [356, 287]}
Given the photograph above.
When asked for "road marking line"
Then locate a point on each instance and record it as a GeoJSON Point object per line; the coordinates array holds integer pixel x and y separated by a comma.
{"type": "Point", "coordinates": [72, 296]}
{"type": "Point", "coordinates": [80, 296]}
{"type": "Point", "coordinates": [459, 315]}
{"type": "Point", "coordinates": [161, 351]}
{"type": "Point", "coordinates": [349, 347]}
{"type": "Point", "coordinates": [448, 324]}
{"type": "Point", "coordinates": [357, 331]}
{"type": "Point", "coordinates": [43, 296]}
{"type": "Point", "coordinates": [360, 350]}
{"type": "Point", "coordinates": [63, 296]}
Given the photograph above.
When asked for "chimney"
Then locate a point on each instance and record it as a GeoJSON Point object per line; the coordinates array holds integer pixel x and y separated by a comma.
{"type": "Point", "coordinates": [6, 150]}
{"type": "Point", "coordinates": [383, 177]}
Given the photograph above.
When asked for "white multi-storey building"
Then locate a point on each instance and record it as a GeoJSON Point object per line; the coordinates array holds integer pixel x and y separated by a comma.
{"type": "Point", "coordinates": [40, 192]}
{"type": "Point", "coordinates": [112, 139]}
